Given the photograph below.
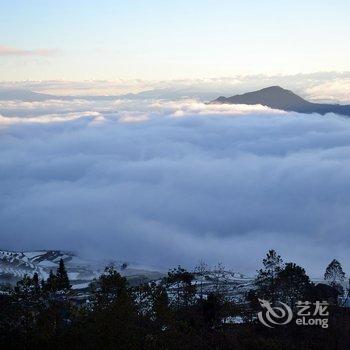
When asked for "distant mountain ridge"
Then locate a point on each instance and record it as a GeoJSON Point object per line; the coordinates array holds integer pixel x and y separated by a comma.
{"type": "Point", "coordinates": [278, 98]}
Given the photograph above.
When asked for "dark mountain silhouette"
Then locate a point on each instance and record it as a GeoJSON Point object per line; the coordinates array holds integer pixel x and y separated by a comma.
{"type": "Point", "coordinates": [279, 98]}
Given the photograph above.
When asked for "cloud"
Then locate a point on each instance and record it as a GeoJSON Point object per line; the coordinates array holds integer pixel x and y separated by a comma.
{"type": "Point", "coordinates": [333, 91]}
{"type": "Point", "coordinates": [183, 181]}
{"type": "Point", "coordinates": [319, 86]}
{"type": "Point", "coordinates": [122, 109]}
{"type": "Point", "coordinates": [13, 51]}
{"type": "Point", "coordinates": [46, 119]}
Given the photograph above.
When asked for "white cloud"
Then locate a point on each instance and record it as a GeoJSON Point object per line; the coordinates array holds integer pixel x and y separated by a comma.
{"type": "Point", "coordinates": [46, 119]}
{"type": "Point", "coordinates": [124, 110]}
{"type": "Point", "coordinates": [335, 90]}
{"type": "Point", "coordinates": [319, 86]}
{"type": "Point", "coordinates": [184, 181]}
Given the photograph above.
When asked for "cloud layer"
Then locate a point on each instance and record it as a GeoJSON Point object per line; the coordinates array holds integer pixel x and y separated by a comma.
{"type": "Point", "coordinates": [13, 51]}
{"type": "Point", "coordinates": [319, 86]}
{"type": "Point", "coordinates": [164, 183]}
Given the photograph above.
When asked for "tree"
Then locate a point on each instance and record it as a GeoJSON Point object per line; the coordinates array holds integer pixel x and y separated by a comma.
{"type": "Point", "coordinates": [335, 275]}
{"type": "Point", "coordinates": [36, 283]}
{"type": "Point", "coordinates": [266, 279]}
{"type": "Point", "coordinates": [62, 280]}
{"type": "Point", "coordinates": [179, 283]}
{"type": "Point", "coordinates": [213, 309]}
{"type": "Point", "coordinates": [51, 283]}
{"type": "Point", "coordinates": [292, 284]}
{"type": "Point", "coordinates": [109, 287]}
{"type": "Point", "coordinates": [152, 301]}
{"type": "Point", "coordinates": [322, 291]}
{"type": "Point", "coordinates": [160, 300]}
{"type": "Point", "coordinates": [114, 321]}
{"type": "Point", "coordinates": [201, 270]}
{"type": "Point", "coordinates": [28, 287]}
{"type": "Point", "coordinates": [220, 280]}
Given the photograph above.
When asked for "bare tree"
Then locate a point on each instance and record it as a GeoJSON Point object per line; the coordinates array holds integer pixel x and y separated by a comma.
{"type": "Point", "coordinates": [201, 271]}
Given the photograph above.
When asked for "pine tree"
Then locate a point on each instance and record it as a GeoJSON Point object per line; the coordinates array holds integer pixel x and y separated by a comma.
{"type": "Point", "coordinates": [62, 277]}
{"type": "Point", "coordinates": [35, 282]}
{"type": "Point", "coordinates": [266, 279]}
{"type": "Point", "coordinates": [51, 283]}
{"type": "Point", "coordinates": [335, 275]}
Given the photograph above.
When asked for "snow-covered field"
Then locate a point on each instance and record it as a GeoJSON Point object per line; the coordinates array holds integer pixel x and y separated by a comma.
{"type": "Point", "coordinates": [15, 265]}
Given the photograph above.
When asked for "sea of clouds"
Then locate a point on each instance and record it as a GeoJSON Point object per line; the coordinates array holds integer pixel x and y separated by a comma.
{"type": "Point", "coordinates": [172, 182]}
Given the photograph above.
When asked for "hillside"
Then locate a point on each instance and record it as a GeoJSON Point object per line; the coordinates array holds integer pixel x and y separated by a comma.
{"type": "Point", "coordinates": [14, 265]}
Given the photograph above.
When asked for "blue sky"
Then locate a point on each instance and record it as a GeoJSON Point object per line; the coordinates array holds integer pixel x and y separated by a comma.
{"type": "Point", "coordinates": [154, 39]}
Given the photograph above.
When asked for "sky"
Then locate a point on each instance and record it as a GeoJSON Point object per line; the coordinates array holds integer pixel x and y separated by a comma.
{"type": "Point", "coordinates": [160, 40]}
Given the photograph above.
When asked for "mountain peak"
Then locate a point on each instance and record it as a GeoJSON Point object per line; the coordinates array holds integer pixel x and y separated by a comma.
{"type": "Point", "coordinates": [274, 88]}
{"type": "Point", "coordinates": [272, 96]}
{"type": "Point", "coordinates": [278, 90]}
{"type": "Point", "coordinates": [277, 97]}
